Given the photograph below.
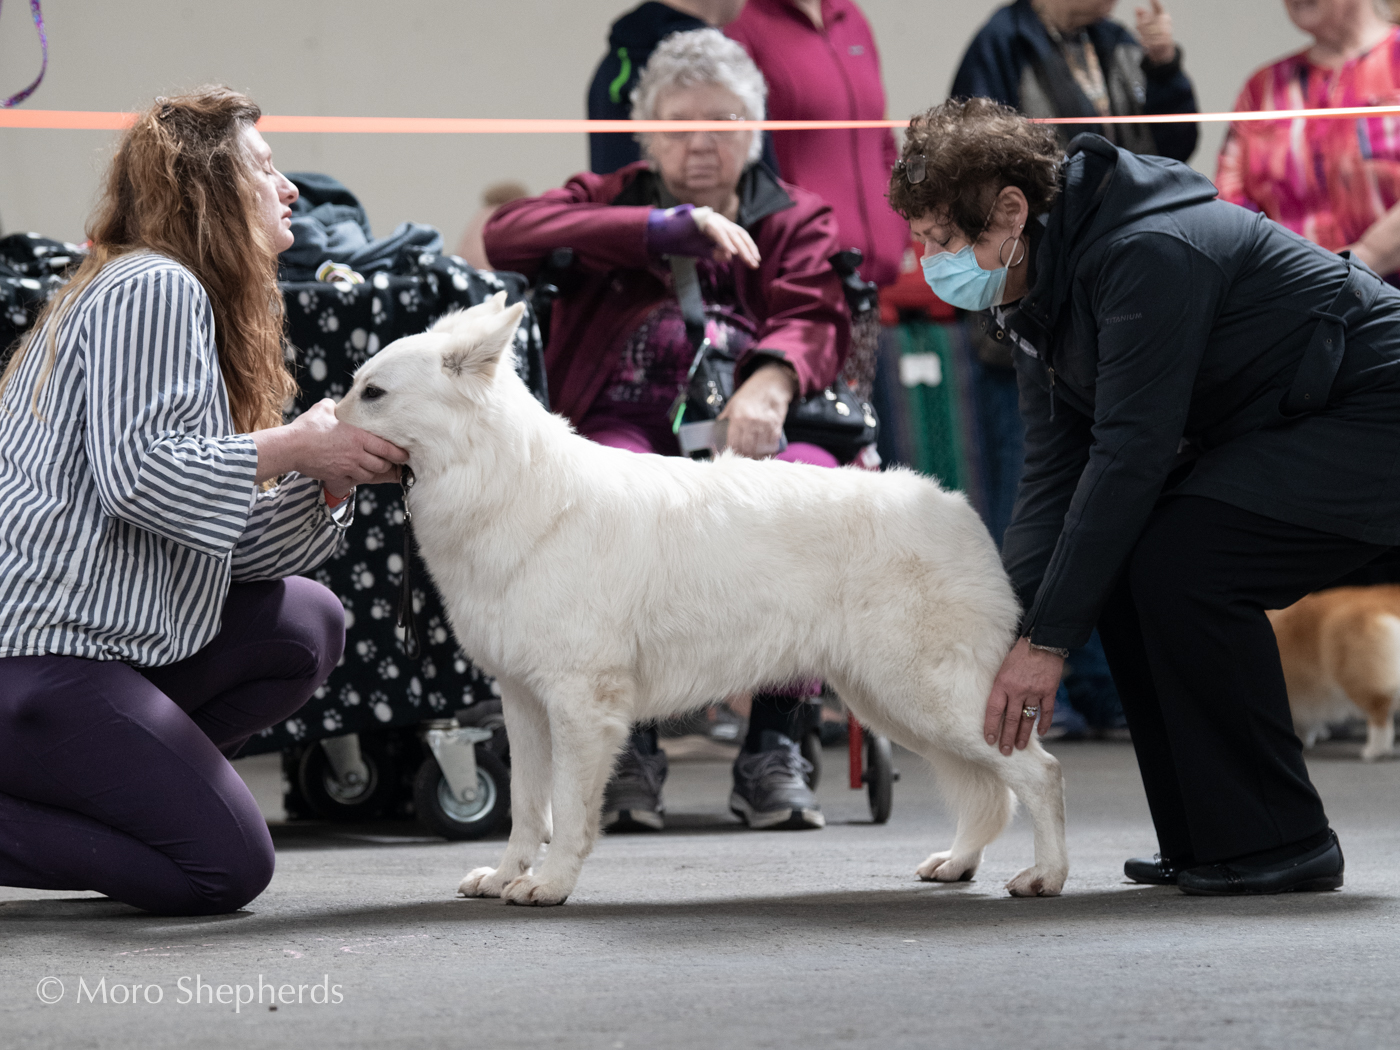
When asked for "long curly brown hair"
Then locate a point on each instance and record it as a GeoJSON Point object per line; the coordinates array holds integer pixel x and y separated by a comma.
{"type": "Point", "coordinates": [181, 185]}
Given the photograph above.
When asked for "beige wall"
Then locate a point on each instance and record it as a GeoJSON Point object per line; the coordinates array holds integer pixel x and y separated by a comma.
{"type": "Point", "coordinates": [517, 58]}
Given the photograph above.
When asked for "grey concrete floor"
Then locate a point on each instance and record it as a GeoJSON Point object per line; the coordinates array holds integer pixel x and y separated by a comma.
{"type": "Point", "coordinates": [709, 935]}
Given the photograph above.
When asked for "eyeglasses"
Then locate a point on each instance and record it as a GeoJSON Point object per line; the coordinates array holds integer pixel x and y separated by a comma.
{"type": "Point", "coordinates": [915, 169]}
{"type": "Point", "coordinates": [727, 137]}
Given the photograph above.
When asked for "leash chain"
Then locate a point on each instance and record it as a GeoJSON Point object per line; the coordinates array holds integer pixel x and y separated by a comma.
{"type": "Point", "coordinates": [407, 620]}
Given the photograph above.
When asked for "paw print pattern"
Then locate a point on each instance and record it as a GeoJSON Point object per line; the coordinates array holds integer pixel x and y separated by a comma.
{"type": "Point", "coordinates": [329, 321]}
{"type": "Point", "coordinates": [380, 609]}
{"type": "Point", "coordinates": [316, 366]}
{"type": "Point", "coordinates": [388, 670]}
{"type": "Point", "coordinates": [437, 631]}
{"type": "Point", "coordinates": [427, 668]}
{"type": "Point", "coordinates": [360, 577]}
{"type": "Point", "coordinates": [366, 650]}
{"type": "Point", "coordinates": [349, 696]}
{"type": "Point", "coordinates": [437, 701]}
{"type": "Point", "coordinates": [331, 721]}
{"type": "Point", "coordinates": [410, 300]}
{"type": "Point", "coordinates": [374, 538]}
{"type": "Point", "coordinates": [366, 502]}
{"type": "Point", "coordinates": [295, 727]}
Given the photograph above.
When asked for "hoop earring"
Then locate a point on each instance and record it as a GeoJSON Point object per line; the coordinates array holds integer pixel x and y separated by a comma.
{"type": "Point", "coordinates": [1014, 261]}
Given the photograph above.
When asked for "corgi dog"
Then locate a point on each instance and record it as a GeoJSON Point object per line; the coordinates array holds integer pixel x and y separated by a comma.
{"type": "Point", "coordinates": [1341, 654]}
{"type": "Point", "coordinates": [603, 588]}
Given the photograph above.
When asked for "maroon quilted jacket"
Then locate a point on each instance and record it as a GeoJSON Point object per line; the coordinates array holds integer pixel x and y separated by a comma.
{"type": "Point", "coordinates": [794, 297]}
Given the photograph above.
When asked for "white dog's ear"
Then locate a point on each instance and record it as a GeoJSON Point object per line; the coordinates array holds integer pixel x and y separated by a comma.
{"type": "Point", "coordinates": [475, 353]}
{"type": "Point", "coordinates": [456, 320]}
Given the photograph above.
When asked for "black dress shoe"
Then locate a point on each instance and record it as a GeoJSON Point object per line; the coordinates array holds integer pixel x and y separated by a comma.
{"type": "Point", "coordinates": [1153, 871]}
{"type": "Point", "coordinates": [1319, 868]}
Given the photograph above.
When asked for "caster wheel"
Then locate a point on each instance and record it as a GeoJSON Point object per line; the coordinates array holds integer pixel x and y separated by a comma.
{"type": "Point", "coordinates": [486, 714]}
{"type": "Point", "coordinates": [879, 776]}
{"type": "Point", "coordinates": [812, 751]}
{"type": "Point", "coordinates": [444, 814]}
{"type": "Point", "coordinates": [360, 796]}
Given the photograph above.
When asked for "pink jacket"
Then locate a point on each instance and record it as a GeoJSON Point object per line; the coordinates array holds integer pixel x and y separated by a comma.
{"type": "Point", "coordinates": [794, 296]}
{"type": "Point", "coordinates": [830, 74]}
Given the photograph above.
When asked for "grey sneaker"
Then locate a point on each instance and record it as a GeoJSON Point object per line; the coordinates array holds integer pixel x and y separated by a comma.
{"type": "Point", "coordinates": [770, 787]}
{"type": "Point", "coordinates": [632, 801]}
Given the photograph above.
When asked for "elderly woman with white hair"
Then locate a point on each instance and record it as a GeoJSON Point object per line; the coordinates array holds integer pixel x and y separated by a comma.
{"type": "Point", "coordinates": [618, 351]}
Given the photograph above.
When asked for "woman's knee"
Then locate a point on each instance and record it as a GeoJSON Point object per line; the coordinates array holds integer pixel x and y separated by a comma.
{"type": "Point", "coordinates": [803, 452]}
{"type": "Point", "coordinates": [315, 619]}
{"type": "Point", "coordinates": [229, 877]}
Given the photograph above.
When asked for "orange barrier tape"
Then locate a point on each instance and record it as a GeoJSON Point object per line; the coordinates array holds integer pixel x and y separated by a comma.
{"type": "Point", "coordinates": [80, 120]}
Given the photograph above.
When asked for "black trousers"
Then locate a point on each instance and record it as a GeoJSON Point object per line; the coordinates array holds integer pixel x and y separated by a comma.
{"type": "Point", "coordinates": [1197, 666]}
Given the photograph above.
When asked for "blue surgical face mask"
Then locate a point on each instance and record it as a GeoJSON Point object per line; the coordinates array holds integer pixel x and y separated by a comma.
{"type": "Point", "coordinates": [958, 280]}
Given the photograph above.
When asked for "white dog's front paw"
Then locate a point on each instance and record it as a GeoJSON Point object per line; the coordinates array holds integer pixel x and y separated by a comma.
{"type": "Point", "coordinates": [1372, 754]}
{"type": "Point", "coordinates": [1037, 882]}
{"type": "Point", "coordinates": [482, 882]}
{"type": "Point", "coordinates": [944, 867]}
{"type": "Point", "coordinates": [537, 891]}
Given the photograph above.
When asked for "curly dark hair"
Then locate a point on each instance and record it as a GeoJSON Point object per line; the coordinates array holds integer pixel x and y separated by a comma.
{"type": "Point", "coordinates": [971, 150]}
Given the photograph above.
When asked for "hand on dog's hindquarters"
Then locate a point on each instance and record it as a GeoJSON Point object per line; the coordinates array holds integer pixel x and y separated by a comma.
{"type": "Point", "coordinates": [1028, 678]}
{"type": "Point", "coordinates": [757, 410]}
{"type": "Point", "coordinates": [318, 445]}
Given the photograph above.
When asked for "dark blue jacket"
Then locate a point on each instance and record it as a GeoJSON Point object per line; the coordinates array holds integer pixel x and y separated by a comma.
{"type": "Point", "coordinates": [1013, 60]}
{"type": "Point", "coordinates": [633, 38]}
{"type": "Point", "coordinates": [1173, 342]}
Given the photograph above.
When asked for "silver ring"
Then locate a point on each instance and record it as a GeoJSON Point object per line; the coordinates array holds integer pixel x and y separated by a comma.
{"type": "Point", "coordinates": [1029, 712]}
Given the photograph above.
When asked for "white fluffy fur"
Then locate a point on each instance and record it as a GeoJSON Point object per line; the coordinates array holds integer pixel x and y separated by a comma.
{"type": "Point", "coordinates": [603, 588]}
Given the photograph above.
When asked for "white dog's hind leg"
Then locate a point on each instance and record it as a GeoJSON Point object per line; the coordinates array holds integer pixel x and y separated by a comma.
{"type": "Point", "coordinates": [1034, 774]}
{"type": "Point", "coordinates": [586, 732]}
{"type": "Point", "coordinates": [982, 803]}
{"type": "Point", "coordinates": [531, 777]}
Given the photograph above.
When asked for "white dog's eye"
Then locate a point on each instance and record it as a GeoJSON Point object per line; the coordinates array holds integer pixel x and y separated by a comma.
{"type": "Point", "coordinates": [370, 393]}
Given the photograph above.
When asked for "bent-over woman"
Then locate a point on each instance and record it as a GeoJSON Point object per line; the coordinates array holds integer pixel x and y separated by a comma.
{"type": "Point", "coordinates": [153, 511]}
{"type": "Point", "coordinates": [618, 351]}
{"type": "Point", "coordinates": [1210, 432]}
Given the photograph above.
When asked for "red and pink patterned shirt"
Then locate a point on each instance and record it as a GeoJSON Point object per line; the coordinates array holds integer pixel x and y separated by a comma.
{"type": "Point", "coordinates": [1328, 180]}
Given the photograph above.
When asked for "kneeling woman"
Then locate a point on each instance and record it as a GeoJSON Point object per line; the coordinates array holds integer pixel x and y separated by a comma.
{"type": "Point", "coordinates": [1210, 432]}
{"type": "Point", "coordinates": [618, 350]}
{"type": "Point", "coordinates": [151, 504]}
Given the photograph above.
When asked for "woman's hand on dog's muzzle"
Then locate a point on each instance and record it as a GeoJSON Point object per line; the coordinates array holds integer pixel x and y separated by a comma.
{"type": "Point", "coordinates": [1028, 679]}
{"type": "Point", "coordinates": [318, 445]}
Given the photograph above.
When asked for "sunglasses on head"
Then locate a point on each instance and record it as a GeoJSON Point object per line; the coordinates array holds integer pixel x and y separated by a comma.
{"type": "Point", "coordinates": [915, 169]}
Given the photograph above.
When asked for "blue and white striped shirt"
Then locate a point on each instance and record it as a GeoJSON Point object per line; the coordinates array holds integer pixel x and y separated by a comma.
{"type": "Point", "coordinates": [128, 505]}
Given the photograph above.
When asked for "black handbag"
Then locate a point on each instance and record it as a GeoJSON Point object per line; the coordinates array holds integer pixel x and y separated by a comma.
{"type": "Point", "coordinates": [833, 419]}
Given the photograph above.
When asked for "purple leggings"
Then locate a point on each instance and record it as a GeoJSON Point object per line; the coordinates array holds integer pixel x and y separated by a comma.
{"type": "Point", "coordinates": [113, 778]}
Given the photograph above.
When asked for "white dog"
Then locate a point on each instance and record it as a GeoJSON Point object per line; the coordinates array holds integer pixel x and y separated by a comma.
{"type": "Point", "coordinates": [604, 588]}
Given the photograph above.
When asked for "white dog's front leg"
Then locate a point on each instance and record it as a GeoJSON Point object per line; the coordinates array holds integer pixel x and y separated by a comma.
{"type": "Point", "coordinates": [585, 737]}
{"type": "Point", "coordinates": [527, 727]}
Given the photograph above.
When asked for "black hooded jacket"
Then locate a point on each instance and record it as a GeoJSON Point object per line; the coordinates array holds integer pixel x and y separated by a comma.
{"type": "Point", "coordinates": [1173, 343]}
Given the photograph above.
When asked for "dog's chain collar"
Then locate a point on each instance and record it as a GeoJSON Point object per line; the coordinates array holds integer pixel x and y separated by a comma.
{"type": "Point", "coordinates": [407, 620]}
